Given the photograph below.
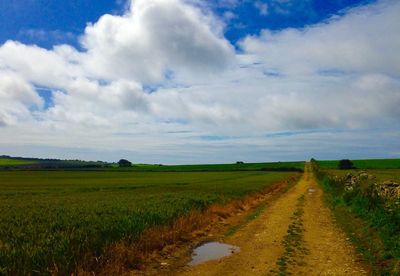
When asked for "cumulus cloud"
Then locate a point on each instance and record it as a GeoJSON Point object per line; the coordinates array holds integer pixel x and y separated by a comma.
{"type": "Point", "coordinates": [53, 68]}
{"type": "Point", "coordinates": [341, 73]}
{"type": "Point", "coordinates": [153, 42]}
{"type": "Point", "coordinates": [153, 38]}
{"type": "Point", "coordinates": [364, 40]}
{"type": "Point", "coordinates": [89, 103]}
{"type": "Point", "coordinates": [16, 98]}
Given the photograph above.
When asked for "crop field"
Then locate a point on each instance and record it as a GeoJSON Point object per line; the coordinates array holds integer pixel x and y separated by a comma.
{"type": "Point", "coordinates": [49, 220]}
{"type": "Point", "coordinates": [56, 164]}
{"type": "Point", "coordinates": [364, 164]}
{"type": "Point", "coordinates": [14, 162]}
{"type": "Point", "coordinates": [272, 166]}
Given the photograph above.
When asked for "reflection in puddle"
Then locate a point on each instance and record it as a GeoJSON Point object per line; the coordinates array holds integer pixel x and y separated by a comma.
{"type": "Point", "coordinates": [311, 190]}
{"type": "Point", "coordinates": [212, 251]}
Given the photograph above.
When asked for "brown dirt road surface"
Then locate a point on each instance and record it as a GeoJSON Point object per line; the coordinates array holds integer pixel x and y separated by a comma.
{"type": "Point", "coordinates": [295, 235]}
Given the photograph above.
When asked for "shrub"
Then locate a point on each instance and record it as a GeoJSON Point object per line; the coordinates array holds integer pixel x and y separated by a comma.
{"type": "Point", "coordinates": [345, 164]}
{"type": "Point", "coordinates": [124, 163]}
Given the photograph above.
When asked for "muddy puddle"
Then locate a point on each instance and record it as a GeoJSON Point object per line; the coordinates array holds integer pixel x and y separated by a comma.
{"type": "Point", "coordinates": [211, 251]}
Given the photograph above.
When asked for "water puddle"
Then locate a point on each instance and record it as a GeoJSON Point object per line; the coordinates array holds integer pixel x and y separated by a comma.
{"type": "Point", "coordinates": [311, 190]}
{"type": "Point", "coordinates": [212, 251]}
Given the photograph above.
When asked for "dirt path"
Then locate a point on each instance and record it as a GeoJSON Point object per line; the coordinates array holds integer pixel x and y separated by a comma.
{"type": "Point", "coordinates": [295, 235]}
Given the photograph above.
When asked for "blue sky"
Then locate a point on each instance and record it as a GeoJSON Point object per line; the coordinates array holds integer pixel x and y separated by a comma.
{"type": "Point", "coordinates": [47, 23]}
{"type": "Point", "coordinates": [193, 81]}
{"type": "Point", "coordinates": [61, 21]}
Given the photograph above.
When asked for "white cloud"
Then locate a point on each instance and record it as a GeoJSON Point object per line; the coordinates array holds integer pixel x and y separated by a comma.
{"type": "Point", "coordinates": [16, 97]}
{"type": "Point", "coordinates": [364, 40]}
{"type": "Point", "coordinates": [153, 38]}
{"type": "Point", "coordinates": [40, 66]}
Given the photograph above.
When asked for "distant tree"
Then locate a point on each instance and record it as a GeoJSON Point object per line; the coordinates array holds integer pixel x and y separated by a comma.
{"type": "Point", "coordinates": [239, 162]}
{"type": "Point", "coordinates": [123, 163]}
{"type": "Point", "coordinates": [345, 164]}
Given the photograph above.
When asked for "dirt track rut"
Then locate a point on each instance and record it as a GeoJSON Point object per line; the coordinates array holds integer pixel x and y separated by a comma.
{"type": "Point", "coordinates": [295, 235]}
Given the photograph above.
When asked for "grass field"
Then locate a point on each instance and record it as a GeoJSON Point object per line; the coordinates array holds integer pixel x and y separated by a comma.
{"type": "Point", "coordinates": [271, 166]}
{"type": "Point", "coordinates": [364, 164]}
{"type": "Point", "coordinates": [380, 174]}
{"type": "Point", "coordinates": [53, 164]}
{"type": "Point", "coordinates": [50, 220]}
{"type": "Point", "coordinates": [14, 162]}
{"type": "Point", "coordinates": [7, 163]}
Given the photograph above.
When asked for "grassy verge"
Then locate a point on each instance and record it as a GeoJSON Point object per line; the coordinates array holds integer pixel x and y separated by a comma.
{"type": "Point", "coordinates": [49, 221]}
{"type": "Point", "coordinates": [372, 224]}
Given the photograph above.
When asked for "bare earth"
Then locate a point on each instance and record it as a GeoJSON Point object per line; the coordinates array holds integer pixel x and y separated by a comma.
{"type": "Point", "coordinates": [321, 247]}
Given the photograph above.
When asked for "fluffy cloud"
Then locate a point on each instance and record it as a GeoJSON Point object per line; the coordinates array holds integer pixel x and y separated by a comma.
{"type": "Point", "coordinates": [364, 40]}
{"type": "Point", "coordinates": [88, 103]}
{"type": "Point", "coordinates": [154, 38]}
{"type": "Point", "coordinates": [16, 98]}
{"type": "Point", "coordinates": [53, 68]}
{"type": "Point", "coordinates": [340, 73]}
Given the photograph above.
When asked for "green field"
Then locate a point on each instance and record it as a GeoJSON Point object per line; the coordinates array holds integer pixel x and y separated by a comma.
{"type": "Point", "coordinates": [14, 162]}
{"type": "Point", "coordinates": [271, 166]}
{"type": "Point", "coordinates": [52, 219]}
{"type": "Point", "coordinates": [364, 164]}
{"type": "Point", "coordinates": [55, 164]}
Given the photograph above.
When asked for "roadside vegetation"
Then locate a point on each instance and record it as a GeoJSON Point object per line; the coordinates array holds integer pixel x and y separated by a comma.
{"type": "Point", "coordinates": [51, 221]}
{"type": "Point", "coordinates": [366, 204]}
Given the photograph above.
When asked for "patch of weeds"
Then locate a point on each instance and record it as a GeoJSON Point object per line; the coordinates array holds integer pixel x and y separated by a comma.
{"type": "Point", "coordinates": [232, 230]}
{"type": "Point", "coordinates": [293, 242]}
